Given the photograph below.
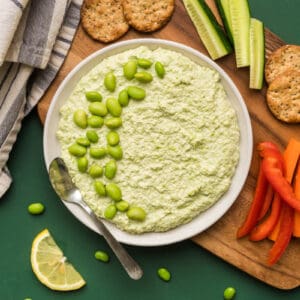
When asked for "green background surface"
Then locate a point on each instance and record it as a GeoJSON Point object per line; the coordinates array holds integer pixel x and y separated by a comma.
{"type": "Point", "coordinates": [196, 273]}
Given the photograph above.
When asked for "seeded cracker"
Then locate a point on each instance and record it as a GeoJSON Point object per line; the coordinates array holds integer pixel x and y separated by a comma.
{"type": "Point", "coordinates": [148, 15]}
{"type": "Point", "coordinates": [286, 57]}
{"type": "Point", "coordinates": [283, 96]}
{"type": "Point", "coordinates": [104, 20]}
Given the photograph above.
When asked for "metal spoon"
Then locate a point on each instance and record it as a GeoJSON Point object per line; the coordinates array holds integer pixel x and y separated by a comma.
{"type": "Point", "coordinates": [67, 191]}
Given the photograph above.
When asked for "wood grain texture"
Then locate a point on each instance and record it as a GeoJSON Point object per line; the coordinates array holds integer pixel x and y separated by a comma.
{"type": "Point", "coordinates": [219, 239]}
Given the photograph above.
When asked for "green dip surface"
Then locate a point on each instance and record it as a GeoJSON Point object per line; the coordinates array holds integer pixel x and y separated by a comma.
{"type": "Point", "coordinates": [180, 144]}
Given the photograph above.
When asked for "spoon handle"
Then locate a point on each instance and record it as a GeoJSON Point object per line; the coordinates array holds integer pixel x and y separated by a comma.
{"type": "Point", "coordinates": [130, 265]}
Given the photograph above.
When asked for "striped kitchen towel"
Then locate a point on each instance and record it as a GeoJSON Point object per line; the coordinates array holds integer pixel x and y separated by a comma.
{"type": "Point", "coordinates": [35, 37]}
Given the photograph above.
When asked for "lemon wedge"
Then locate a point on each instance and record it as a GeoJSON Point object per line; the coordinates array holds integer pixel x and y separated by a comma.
{"type": "Point", "coordinates": [51, 266]}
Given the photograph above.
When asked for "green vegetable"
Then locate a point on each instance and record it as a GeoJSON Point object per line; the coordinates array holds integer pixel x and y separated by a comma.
{"type": "Point", "coordinates": [97, 152]}
{"type": "Point", "coordinates": [80, 118]}
{"type": "Point", "coordinates": [164, 274]}
{"type": "Point", "coordinates": [95, 121]}
{"type": "Point", "coordinates": [114, 107]}
{"type": "Point", "coordinates": [110, 169]}
{"type": "Point", "coordinates": [36, 208]}
{"type": "Point", "coordinates": [93, 96]}
{"type": "Point", "coordinates": [136, 93]}
{"type": "Point", "coordinates": [112, 138]}
{"type": "Point", "coordinates": [77, 150]}
{"type": "Point", "coordinates": [129, 69]}
{"type": "Point", "coordinates": [208, 28]}
{"type": "Point", "coordinates": [83, 142]}
{"type": "Point", "coordinates": [136, 213]}
{"type": "Point", "coordinates": [159, 69]}
{"type": "Point", "coordinates": [92, 136]}
{"type": "Point", "coordinates": [113, 123]}
{"type": "Point", "coordinates": [113, 191]}
{"type": "Point", "coordinates": [123, 98]}
{"type": "Point", "coordinates": [143, 76]}
{"type": "Point", "coordinates": [99, 188]}
{"type": "Point", "coordinates": [122, 205]}
{"type": "Point", "coordinates": [95, 171]}
{"type": "Point", "coordinates": [98, 109]}
{"type": "Point", "coordinates": [101, 255]}
{"type": "Point", "coordinates": [115, 152]}
{"type": "Point", "coordinates": [82, 164]}
{"type": "Point", "coordinates": [144, 63]}
{"type": "Point", "coordinates": [229, 293]}
{"type": "Point", "coordinates": [110, 81]}
{"type": "Point", "coordinates": [110, 211]}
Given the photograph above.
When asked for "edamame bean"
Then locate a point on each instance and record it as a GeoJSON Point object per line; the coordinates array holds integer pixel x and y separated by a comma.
{"type": "Point", "coordinates": [77, 150]}
{"type": "Point", "coordinates": [95, 171]}
{"type": "Point", "coordinates": [136, 93]}
{"type": "Point", "coordinates": [113, 123]}
{"type": "Point", "coordinates": [80, 118]}
{"type": "Point", "coordinates": [100, 188]}
{"type": "Point", "coordinates": [114, 107]}
{"type": "Point", "coordinates": [110, 211]}
{"type": "Point", "coordinates": [110, 169]}
{"type": "Point", "coordinates": [82, 164]}
{"type": "Point", "coordinates": [129, 69]}
{"type": "Point", "coordinates": [122, 205]}
{"type": "Point", "coordinates": [112, 138]}
{"type": "Point", "coordinates": [164, 274]}
{"type": "Point", "coordinates": [101, 255]}
{"type": "Point", "coordinates": [110, 81]}
{"type": "Point", "coordinates": [98, 109]}
{"type": "Point", "coordinates": [229, 293]}
{"type": "Point", "coordinates": [83, 142]}
{"type": "Point", "coordinates": [123, 98]}
{"type": "Point", "coordinates": [113, 191]}
{"type": "Point", "coordinates": [143, 77]}
{"type": "Point", "coordinates": [95, 121]}
{"type": "Point", "coordinates": [92, 136]}
{"type": "Point", "coordinates": [136, 213]}
{"type": "Point", "coordinates": [36, 208]}
{"type": "Point", "coordinates": [93, 96]}
{"type": "Point", "coordinates": [144, 63]}
{"type": "Point", "coordinates": [159, 69]}
{"type": "Point", "coordinates": [97, 152]}
{"type": "Point", "coordinates": [115, 152]}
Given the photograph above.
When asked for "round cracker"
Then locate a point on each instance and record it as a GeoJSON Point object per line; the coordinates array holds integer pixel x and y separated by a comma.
{"type": "Point", "coordinates": [283, 96]}
{"type": "Point", "coordinates": [104, 20]}
{"type": "Point", "coordinates": [148, 15]}
{"type": "Point", "coordinates": [285, 57]}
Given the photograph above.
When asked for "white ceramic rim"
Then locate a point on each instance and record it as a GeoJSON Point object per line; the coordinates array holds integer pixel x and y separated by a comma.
{"type": "Point", "coordinates": [205, 219]}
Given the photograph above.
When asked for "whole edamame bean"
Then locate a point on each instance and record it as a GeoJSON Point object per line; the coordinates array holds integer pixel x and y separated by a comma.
{"type": "Point", "coordinates": [144, 63]}
{"type": "Point", "coordinates": [114, 107]}
{"type": "Point", "coordinates": [136, 213]}
{"type": "Point", "coordinates": [110, 81]}
{"type": "Point", "coordinates": [92, 136]}
{"type": "Point", "coordinates": [164, 274]}
{"type": "Point", "coordinates": [110, 211]}
{"type": "Point", "coordinates": [97, 152]}
{"type": "Point", "coordinates": [113, 191]}
{"type": "Point", "coordinates": [83, 141]}
{"type": "Point", "coordinates": [101, 255]}
{"type": "Point", "coordinates": [93, 96]}
{"type": "Point", "coordinates": [115, 152]}
{"type": "Point", "coordinates": [143, 77]}
{"type": "Point", "coordinates": [129, 69]}
{"type": "Point", "coordinates": [122, 205]}
{"type": "Point", "coordinates": [99, 188]}
{"type": "Point", "coordinates": [36, 208]}
{"type": "Point", "coordinates": [80, 118]}
{"type": "Point", "coordinates": [98, 109]}
{"type": "Point", "coordinates": [136, 93]}
{"type": "Point", "coordinates": [82, 164]}
{"type": "Point", "coordinates": [112, 138]}
{"type": "Point", "coordinates": [77, 150]}
{"type": "Point", "coordinates": [229, 293]}
{"type": "Point", "coordinates": [95, 171]}
{"type": "Point", "coordinates": [159, 69]}
{"type": "Point", "coordinates": [110, 169]}
{"type": "Point", "coordinates": [113, 123]}
{"type": "Point", "coordinates": [123, 98]}
{"type": "Point", "coordinates": [95, 121]}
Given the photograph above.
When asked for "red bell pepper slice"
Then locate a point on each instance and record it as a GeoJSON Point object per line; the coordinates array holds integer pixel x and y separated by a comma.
{"type": "Point", "coordinates": [267, 202]}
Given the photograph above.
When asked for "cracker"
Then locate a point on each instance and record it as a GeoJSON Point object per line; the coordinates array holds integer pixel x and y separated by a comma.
{"type": "Point", "coordinates": [285, 57]}
{"type": "Point", "coordinates": [148, 15]}
{"type": "Point", "coordinates": [283, 96]}
{"type": "Point", "coordinates": [104, 20]}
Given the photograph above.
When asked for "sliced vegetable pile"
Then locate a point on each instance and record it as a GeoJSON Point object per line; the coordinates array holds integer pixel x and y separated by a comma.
{"type": "Point", "coordinates": [242, 32]}
{"type": "Point", "coordinates": [275, 209]}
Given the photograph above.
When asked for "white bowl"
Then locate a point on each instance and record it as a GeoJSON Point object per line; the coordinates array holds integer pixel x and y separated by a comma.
{"type": "Point", "coordinates": [205, 219]}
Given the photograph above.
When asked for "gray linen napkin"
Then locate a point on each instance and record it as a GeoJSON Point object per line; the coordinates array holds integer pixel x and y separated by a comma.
{"type": "Point", "coordinates": [35, 37]}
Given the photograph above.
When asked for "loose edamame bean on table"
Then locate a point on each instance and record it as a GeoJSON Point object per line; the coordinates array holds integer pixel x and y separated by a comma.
{"type": "Point", "coordinates": [98, 109]}
{"type": "Point", "coordinates": [101, 255]}
{"type": "Point", "coordinates": [164, 274]}
{"type": "Point", "coordinates": [93, 96]}
{"type": "Point", "coordinates": [136, 213]}
{"type": "Point", "coordinates": [36, 208]}
{"type": "Point", "coordinates": [129, 69]}
{"type": "Point", "coordinates": [229, 293]}
{"type": "Point", "coordinates": [113, 191]}
{"type": "Point", "coordinates": [110, 81]}
{"type": "Point", "coordinates": [112, 138]}
{"type": "Point", "coordinates": [80, 118]}
{"type": "Point", "coordinates": [110, 169]}
{"type": "Point", "coordinates": [114, 107]}
{"type": "Point", "coordinates": [110, 211]}
{"type": "Point", "coordinates": [113, 123]}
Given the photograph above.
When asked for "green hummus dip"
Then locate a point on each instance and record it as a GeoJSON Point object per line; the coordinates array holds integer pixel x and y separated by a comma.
{"type": "Point", "coordinates": [180, 144]}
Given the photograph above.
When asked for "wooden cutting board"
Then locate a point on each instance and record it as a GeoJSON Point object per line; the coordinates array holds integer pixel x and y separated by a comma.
{"type": "Point", "coordinates": [219, 239]}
